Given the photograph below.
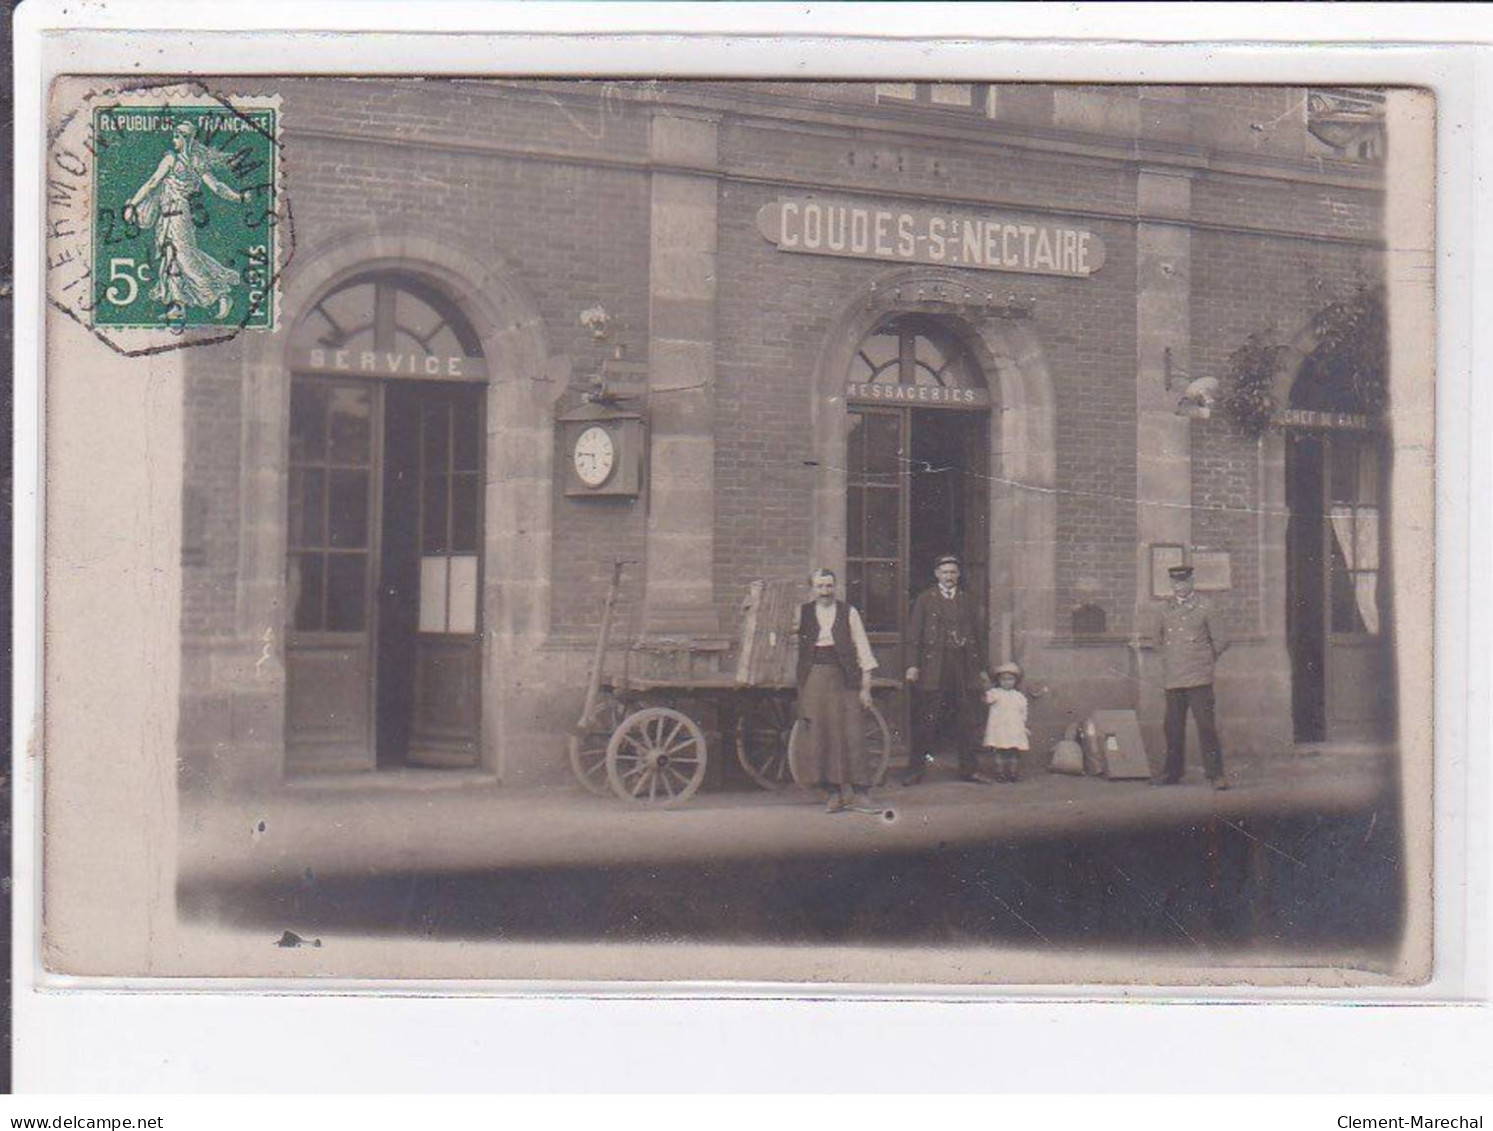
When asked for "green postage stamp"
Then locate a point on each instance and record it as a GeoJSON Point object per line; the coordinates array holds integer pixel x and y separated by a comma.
{"type": "Point", "coordinates": [186, 222]}
{"type": "Point", "coordinates": [183, 231]}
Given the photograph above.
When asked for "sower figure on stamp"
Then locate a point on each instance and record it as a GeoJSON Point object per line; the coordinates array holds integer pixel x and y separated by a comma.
{"type": "Point", "coordinates": [947, 646]}
{"type": "Point", "coordinates": [185, 274]}
{"type": "Point", "coordinates": [834, 682]}
{"type": "Point", "coordinates": [1192, 638]}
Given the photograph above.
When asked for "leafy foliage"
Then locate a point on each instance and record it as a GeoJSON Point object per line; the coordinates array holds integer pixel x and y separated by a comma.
{"type": "Point", "coordinates": [1346, 372]}
{"type": "Point", "coordinates": [1352, 350]}
{"type": "Point", "coordinates": [1249, 399]}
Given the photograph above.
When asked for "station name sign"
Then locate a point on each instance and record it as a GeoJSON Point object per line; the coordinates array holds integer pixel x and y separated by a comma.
{"type": "Point", "coordinates": [816, 225]}
{"type": "Point", "coordinates": [936, 396]}
{"type": "Point", "coordinates": [389, 363]}
{"type": "Point", "coordinates": [1310, 418]}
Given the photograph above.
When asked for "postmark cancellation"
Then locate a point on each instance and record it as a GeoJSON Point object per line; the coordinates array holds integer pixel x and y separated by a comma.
{"type": "Point", "coordinates": [167, 222]}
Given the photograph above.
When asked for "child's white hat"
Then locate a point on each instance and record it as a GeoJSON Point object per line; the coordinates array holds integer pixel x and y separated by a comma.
{"type": "Point", "coordinates": [1009, 668]}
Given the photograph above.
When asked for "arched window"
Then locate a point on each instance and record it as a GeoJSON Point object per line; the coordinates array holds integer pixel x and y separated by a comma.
{"type": "Point", "coordinates": [909, 350]}
{"type": "Point", "coordinates": [390, 312]}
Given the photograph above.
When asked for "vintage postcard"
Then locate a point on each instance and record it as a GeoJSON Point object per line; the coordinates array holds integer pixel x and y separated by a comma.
{"type": "Point", "coordinates": [659, 532]}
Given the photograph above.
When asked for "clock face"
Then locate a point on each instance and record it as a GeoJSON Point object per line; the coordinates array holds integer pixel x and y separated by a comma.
{"type": "Point", "coordinates": [594, 456]}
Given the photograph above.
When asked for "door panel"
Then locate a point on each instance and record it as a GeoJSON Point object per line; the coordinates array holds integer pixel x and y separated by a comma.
{"type": "Point", "coordinates": [447, 702]}
{"type": "Point", "coordinates": [444, 728]}
{"type": "Point", "coordinates": [326, 715]}
{"type": "Point", "coordinates": [331, 521]}
{"type": "Point", "coordinates": [916, 489]}
{"type": "Point", "coordinates": [1341, 670]}
{"type": "Point", "coordinates": [1358, 668]}
{"type": "Point", "coordinates": [1306, 629]}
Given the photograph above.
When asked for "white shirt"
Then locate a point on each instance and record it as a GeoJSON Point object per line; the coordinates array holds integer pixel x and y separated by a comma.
{"type": "Point", "coordinates": [948, 594]}
{"type": "Point", "coordinates": [826, 618]}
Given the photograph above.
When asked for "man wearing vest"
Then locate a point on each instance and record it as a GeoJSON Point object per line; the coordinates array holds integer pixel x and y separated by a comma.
{"type": "Point", "coordinates": [1191, 639]}
{"type": "Point", "coordinates": [834, 682]}
{"type": "Point", "coordinates": [947, 646]}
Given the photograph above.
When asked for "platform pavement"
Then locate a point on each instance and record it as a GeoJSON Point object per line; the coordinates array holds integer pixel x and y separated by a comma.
{"type": "Point", "coordinates": [432, 821]}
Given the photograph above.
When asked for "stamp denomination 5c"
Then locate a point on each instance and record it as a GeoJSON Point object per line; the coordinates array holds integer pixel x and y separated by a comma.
{"type": "Point", "coordinates": [168, 219]}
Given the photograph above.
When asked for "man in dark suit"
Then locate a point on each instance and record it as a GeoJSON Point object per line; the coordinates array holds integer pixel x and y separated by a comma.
{"type": "Point", "coordinates": [946, 643]}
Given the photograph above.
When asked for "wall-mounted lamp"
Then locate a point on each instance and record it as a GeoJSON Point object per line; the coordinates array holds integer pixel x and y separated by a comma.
{"type": "Point", "coordinates": [597, 320]}
{"type": "Point", "coordinates": [1199, 394]}
{"type": "Point", "coordinates": [1198, 398]}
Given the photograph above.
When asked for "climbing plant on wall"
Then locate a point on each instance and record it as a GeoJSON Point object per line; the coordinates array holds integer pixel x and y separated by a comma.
{"type": "Point", "coordinates": [1351, 358]}
{"type": "Point", "coordinates": [1346, 372]}
{"type": "Point", "coordinates": [1249, 389]}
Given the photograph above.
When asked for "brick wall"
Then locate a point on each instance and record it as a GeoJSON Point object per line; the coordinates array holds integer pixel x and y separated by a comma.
{"type": "Point", "coordinates": [775, 313]}
{"type": "Point", "coordinates": [1317, 210]}
{"type": "Point", "coordinates": [572, 230]}
{"type": "Point", "coordinates": [571, 235]}
{"type": "Point", "coordinates": [1241, 284]}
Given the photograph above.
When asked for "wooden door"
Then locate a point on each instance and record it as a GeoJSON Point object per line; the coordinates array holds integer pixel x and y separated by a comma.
{"type": "Point", "coordinates": [916, 488]}
{"type": "Point", "coordinates": [1359, 691]}
{"type": "Point", "coordinates": [330, 573]}
{"type": "Point", "coordinates": [1341, 682]}
{"type": "Point", "coordinates": [444, 728]}
{"type": "Point", "coordinates": [876, 498]}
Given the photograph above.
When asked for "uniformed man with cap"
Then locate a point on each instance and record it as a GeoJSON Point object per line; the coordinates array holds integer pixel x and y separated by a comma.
{"type": "Point", "coordinates": [1192, 638]}
{"type": "Point", "coordinates": [946, 645]}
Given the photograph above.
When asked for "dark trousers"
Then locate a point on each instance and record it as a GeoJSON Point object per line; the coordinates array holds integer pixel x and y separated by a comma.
{"type": "Point", "coordinates": [943, 714]}
{"type": "Point", "coordinates": [1199, 700]}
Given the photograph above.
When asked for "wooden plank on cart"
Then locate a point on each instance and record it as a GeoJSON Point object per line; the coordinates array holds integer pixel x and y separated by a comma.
{"type": "Point", "coordinates": [768, 653]}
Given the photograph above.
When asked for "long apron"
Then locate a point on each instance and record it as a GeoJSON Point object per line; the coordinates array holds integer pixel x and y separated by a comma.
{"type": "Point", "coordinates": [836, 736]}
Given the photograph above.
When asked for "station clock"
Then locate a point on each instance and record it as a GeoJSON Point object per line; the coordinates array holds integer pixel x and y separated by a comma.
{"type": "Point", "coordinates": [602, 448]}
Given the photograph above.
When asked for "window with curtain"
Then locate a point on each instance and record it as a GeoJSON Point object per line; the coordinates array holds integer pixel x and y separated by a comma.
{"type": "Point", "coordinates": [1353, 517]}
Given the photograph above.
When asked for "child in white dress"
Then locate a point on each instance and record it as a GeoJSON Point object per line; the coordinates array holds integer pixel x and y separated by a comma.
{"type": "Point", "coordinates": [1005, 725]}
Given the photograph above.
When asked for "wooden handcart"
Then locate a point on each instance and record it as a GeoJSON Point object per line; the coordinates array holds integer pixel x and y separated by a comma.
{"type": "Point", "coordinates": [643, 732]}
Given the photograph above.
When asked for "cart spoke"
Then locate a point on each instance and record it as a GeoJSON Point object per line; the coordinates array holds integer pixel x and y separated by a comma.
{"type": "Point", "coordinates": [643, 779]}
{"type": "Point", "coordinates": [685, 743]}
{"type": "Point", "coordinates": [668, 787]}
{"type": "Point", "coordinates": [668, 740]}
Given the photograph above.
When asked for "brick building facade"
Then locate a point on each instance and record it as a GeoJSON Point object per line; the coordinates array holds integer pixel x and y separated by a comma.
{"type": "Point", "coordinates": [492, 216]}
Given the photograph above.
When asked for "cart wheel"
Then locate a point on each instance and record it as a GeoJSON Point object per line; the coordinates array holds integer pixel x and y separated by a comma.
{"type": "Point", "coordinates": [588, 750]}
{"type": "Point", "coordinates": [656, 757]}
{"type": "Point", "coordinates": [878, 749]}
{"type": "Point", "coordinates": [763, 732]}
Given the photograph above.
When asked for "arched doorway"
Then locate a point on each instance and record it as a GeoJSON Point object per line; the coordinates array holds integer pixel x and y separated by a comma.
{"type": "Point", "coordinates": [917, 471]}
{"type": "Point", "coordinates": [1337, 608]}
{"type": "Point", "coordinates": [384, 559]}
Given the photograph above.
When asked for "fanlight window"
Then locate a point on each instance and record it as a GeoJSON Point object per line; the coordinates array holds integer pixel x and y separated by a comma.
{"type": "Point", "coordinates": [390, 313]}
{"type": "Point", "coordinates": [913, 351]}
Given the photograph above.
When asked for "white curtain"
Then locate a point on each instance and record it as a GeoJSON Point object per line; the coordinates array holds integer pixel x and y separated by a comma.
{"type": "Point", "coordinates": [1360, 550]}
